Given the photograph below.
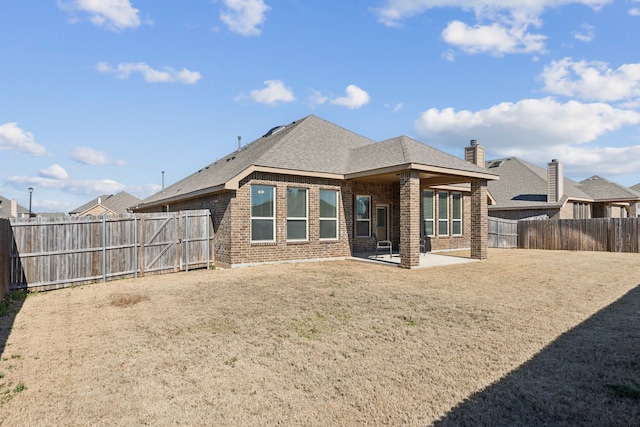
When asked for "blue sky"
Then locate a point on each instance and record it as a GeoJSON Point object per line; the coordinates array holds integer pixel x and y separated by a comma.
{"type": "Point", "coordinates": [101, 96]}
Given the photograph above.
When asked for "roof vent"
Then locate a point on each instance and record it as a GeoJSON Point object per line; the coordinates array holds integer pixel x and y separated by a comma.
{"type": "Point", "coordinates": [496, 164]}
{"type": "Point", "coordinates": [274, 130]}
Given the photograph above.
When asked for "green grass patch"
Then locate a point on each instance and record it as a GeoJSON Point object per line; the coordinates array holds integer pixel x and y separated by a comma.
{"type": "Point", "coordinates": [626, 391]}
{"type": "Point", "coordinates": [7, 302]}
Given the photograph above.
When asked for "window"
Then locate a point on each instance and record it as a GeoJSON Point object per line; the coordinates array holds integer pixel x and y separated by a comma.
{"type": "Point", "coordinates": [428, 212]}
{"type": "Point", "coordinates": [443, 213]}
{"type": "Point", "coordinates": [328, 214]}
{"type": "Point", "coordinates": [297, 214]}
{"type": "Point", "coordinates": [456, 215]}
{"type": "Point", "coordinates": [263, 224]}
{"type": "Point", "coordinates": [363, 216]}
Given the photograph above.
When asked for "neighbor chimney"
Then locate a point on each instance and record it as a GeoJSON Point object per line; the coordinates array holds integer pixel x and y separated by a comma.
{"type": "Point", "coordinates": [474, 153]}
{"type": "Point", "coordinates": [14, 208]}
{"type": "Point", "coordinates": [555, 181]}
{"type": "Point", "coordinates": [239, 142]}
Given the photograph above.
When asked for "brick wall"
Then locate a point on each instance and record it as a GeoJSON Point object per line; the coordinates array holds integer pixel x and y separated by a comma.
{"type": "Point", "coordinates": [243, 251]}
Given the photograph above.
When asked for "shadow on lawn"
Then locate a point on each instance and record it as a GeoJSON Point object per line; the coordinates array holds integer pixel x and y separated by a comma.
{"type": "Point", "coordinates": [9, 308]}
{"type": "Point", "coordinates": [588, 376]}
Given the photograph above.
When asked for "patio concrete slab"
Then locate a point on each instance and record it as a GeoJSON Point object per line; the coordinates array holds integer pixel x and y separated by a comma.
{"type": "Point", "coordinates": [427, 260]}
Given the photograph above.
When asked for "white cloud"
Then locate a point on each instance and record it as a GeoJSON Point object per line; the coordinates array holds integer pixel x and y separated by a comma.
{"type": "Point", "coordinates": [275, 92]}
{"type": "Point", "coordinates": [586, 33]}
{"type": "Point", "coordinates": [355, 98]}
{"type": "Point", "coordinates": [634, 10]}
{"type": "Point", "coordinates": [14, 138]}
{"type": "Point", "coordinates": [592, 80]}
{"type": "Point", "coordinates": [84, 187]}
{"type": "Point", "coordinates": [54, 172]}
{"type": "Point", "coordinates": [114, 15]}
{"type": "Point", "coordinates": [244, 16]}
{"type": "Point", "coordinates": [150, 75]}
{"type": "Point", "coordinates": [528, 129]}
{"type": "Point", "coordinates": [89, 156]}
{"type": "Point", "coordinates": [395, 11]}
{"type": "Point", "coordinates": [317, 98]}
{"type": "Point", "coordinates": [496, 38]}
{"type": "Point", "coordinates": [502, 26]}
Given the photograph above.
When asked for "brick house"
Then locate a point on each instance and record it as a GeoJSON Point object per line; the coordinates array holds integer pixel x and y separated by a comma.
{"type": "Point", "coordinates": [314, 190]}
{"type": "Point", "coordinates": [526, 191]}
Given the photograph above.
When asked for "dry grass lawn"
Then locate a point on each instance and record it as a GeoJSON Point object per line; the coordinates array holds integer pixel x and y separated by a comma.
{"type": "Point", "coordinates": [525, 338]}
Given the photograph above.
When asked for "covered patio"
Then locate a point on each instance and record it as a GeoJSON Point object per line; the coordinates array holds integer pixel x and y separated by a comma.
{"type": "Point", "coordinates": [426, 260]}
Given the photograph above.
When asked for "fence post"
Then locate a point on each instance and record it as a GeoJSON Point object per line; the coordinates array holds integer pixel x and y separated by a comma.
{"type": "Point", "coordinates": [135, 245]}
{"type": "Point", "coordinates": [104, 248]}
{"type": "Point", "coordinates": [186, 240]}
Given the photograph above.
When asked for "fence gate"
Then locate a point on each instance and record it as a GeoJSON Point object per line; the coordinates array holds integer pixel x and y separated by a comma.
{"type": "Point", "coordinates": [503, 233]}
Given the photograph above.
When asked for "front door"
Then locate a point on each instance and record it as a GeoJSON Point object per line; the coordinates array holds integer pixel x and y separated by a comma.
{"type": "Point", "coordinates": [382, 217]}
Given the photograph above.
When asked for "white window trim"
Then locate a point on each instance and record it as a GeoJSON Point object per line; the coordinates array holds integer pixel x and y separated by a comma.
{"type": "Point", "coordinates": [454, 220]}
{"type": "Point", "coordinates": [334, 219]}
{"type": "Point", "coordinates": [446, 220]}
{"type": "Point", "coordinates": [363, 220]}
{"type": "Point", "coordinates": [272, 218]}
{"type": "Point", "coordinates": [305, 219]}
{"type": "Point", "coordinates": [433, 213]}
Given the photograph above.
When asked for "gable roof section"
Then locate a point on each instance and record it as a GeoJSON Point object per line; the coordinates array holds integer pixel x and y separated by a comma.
{"type": "Point", "coordinates": [310, 147]}
{"type": "Point", "coordinates": [110, 204]}
{"type": "Point", "coordinates": [523, 185]}
{"type": "Point", "coordinates": [636, 187]}
{"type": "Point", "coordinates": [603, 190]}
{"type": "Point", "coordinates": [403, 152]}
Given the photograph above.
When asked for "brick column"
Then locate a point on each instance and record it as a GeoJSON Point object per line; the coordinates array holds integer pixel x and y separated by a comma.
{"type": "Point", "coordinates": [632, 212]}
{"type": "Point", "coordinates": [410, 219]}
{"type": "Point", "coordinates": [479, 214]}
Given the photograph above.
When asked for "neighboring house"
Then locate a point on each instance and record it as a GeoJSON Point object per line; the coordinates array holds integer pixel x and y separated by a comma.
{"type": "Point", "coordinates": [314, 190]}
{"type": "Point", "coordinates": [610, 200]}
{"type": "Point", "coordinates": [11, 209]}
{"type": "Point", "coordinates": [529, 191]}
{"type": "Point", "coordinates": [107, 204]}
{"type": "Point", "coordinates": [636, 188]}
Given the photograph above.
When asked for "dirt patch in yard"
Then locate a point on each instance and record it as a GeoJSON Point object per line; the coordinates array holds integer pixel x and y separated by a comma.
{"type": "Point", "coordinates": [524, 338]}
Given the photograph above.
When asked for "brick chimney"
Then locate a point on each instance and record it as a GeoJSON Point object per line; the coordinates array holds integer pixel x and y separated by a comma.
{"type": "Point", "coordinates": [474, 153]}
{"type": "Point", "coordinates": [555, 181]}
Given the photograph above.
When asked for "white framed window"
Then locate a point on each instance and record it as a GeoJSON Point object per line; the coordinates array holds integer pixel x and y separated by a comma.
{"type": "Point", "coordinates": [328, 214]}
{"type": "Point", "coordinates": [443, 213]}
{"type": "Point", "coordinates": [428, 212]}
{"type": "Point", "coordinates": [363, 216]}
{"type": "Point", "coordinates": [263, 208]}
{"type": "Point", "coordinates": [297, 214]}
{"type": "Point", "coordinates": [456, 214]}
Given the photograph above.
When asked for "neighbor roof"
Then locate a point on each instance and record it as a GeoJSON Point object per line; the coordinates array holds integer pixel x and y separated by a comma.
{"type": "Point", "coordinates": [636, 187]}
{"type": "Point", "coordinates": [115, 204]}
{"type": "Point", "coordinates": [524, 185]}
{"type": "Point", "coordinates": [5, 208]}
{"type": "Point", "coordinates": [603, 190]}
{"type": "Point", "coordinates": [311, 147]}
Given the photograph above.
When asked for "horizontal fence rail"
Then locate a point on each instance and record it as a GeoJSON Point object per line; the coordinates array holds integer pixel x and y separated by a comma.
{"type": "Point", "coordinates": [47, 254]}
{"type": "Point", "coordinates": [596, 234]}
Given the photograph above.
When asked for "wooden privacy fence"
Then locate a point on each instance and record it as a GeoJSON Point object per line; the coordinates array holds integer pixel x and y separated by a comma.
{"type": "Point", "coordinates": [597, 234]}
{"type": "Point", "coordinates": [502, 233]}
{"type": "Point", "coordinates": [50, 254]}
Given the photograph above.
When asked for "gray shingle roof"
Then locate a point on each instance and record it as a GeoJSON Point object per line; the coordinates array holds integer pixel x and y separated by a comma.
{"type": "Point", "coordinates": [311, 145]}
{"type": "Point", "coordinates": [5, 208]}
{"type": "Point", "coordinates": [524, 185]}
{"type": "Point", "coordinates": [636, 187]}
{"type": "Point", "coordinates": [601, 189]}
{"type": "Point", "coordinates": [118, 203]}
